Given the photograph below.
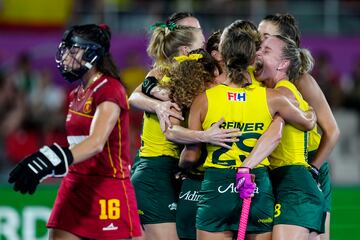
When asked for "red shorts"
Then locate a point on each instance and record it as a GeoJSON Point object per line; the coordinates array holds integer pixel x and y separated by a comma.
{"type": "Point", "coordinates": [96, 207]}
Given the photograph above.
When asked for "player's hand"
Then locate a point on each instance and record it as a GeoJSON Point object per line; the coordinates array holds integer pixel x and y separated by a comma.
{"type": "Point", "coordinates": [180, 176]}
{"type": "Point", "coordinates": [314, 172]}
{"type": "Point", "coordinates": [219, 136]}
{"type": "Point", "coordinates": [49, 161]}
{"type": "Point", "coordinates": [165, 110]}
{"type": "Point", "coordinates": [244, 183]}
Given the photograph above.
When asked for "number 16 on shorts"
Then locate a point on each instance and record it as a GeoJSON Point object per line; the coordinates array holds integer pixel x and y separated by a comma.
{"type": "Point", "coordinates": [109, 209]}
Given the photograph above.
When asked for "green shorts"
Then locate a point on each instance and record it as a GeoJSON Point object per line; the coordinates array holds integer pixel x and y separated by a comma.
{"type": "Point", "coordinates": [220, 205]}
{"type": "Point", "coordinates": [135, 163]}
{"type": "Point", "coordinates": [324, 180]}
{"type": "Point", "coordinates": [298, 199]}
{"type": "Point", "coordinates": [155, 194]}
{"type": "Point", "coordinates": [187, 207]}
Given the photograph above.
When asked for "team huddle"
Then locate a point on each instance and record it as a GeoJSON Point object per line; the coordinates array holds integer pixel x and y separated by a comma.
{"type": "Point", "coordinates": [227, 119]}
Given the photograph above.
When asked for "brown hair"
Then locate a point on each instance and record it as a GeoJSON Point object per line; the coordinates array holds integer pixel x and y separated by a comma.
{"type": "Point", "coordinates": [213, 41]}
{"type": "Point", "coordinates": [238, 48]}
{"type": "Point", "coordinates": [101, 35]}
{"type": "Point", "coordinates": [287, 26]}
{"type": "Point", "coordinates": [190, 78]}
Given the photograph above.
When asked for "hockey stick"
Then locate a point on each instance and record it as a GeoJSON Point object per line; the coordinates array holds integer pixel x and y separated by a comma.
{"type": "Point", "coordinates": [244, 218]}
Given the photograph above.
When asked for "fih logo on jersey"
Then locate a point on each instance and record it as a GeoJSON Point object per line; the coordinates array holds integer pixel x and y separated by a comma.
{"type": "Point", "coordinates": [236, 97]}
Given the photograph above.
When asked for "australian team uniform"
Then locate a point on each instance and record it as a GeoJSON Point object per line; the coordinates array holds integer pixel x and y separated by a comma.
{"type": "Point", "coordinates": [219, 207]}
{"type": "Point", "coordinates": [298, 200]}
{"type": "Point", "coordinates": [154, 174]}
{"type": "Point", "coordinates": [96, 199]}
{"type": "Point", "coordinates": [188, 199]}
{"type": "Point", "coordinates": [324, 171]}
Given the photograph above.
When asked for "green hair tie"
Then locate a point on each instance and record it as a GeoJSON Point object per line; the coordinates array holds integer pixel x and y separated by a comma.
{"type": "Point", "coordinates": [171, 26]}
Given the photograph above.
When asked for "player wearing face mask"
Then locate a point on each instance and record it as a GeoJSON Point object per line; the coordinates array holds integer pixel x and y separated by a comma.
{"type": "Point", "coordinates": [96, 199]}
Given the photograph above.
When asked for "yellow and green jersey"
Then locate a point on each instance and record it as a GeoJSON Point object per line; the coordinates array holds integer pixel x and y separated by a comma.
{"type": "Point", "coordinates": [314, 139]}
{"type": "Point", "coordinates": [244, 108]}
{"type": "Point", "coordinates": [292, 149]}
{"type": "Point", "coordinates": [153, 140]}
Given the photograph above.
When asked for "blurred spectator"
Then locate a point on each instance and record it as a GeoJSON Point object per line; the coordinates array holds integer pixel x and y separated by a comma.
{"type": "Point", "coordinates": [12, 106]}
{"type": "Point", "coordinates": [328, 79]}
{"type": "Point", "coordinates": [12, 112]}
{"type": "Point", "coordinates": [47, 100]}
{"type": "Point", "coordinates": [26, 79]}
{"type": "Point", "coordinates": [27, 99]}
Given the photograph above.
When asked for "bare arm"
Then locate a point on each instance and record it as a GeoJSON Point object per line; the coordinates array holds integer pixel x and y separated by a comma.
{"type": "Point", "coordinates": [145, 103]}
{"type": "Point", "coordinates": [191, 153]}
{"type": "Point", "coordinates": [214, 135]}
{"type": "Point", "coordinates": [105, 118]}
{"type": "Point", "coordinates": [325, 118]}
{"type": "Point", "coordinates": [266, 143]}
{"type": "Point", "coordinates": [142, 102]}
{"type": "Point", "coordinates": [280, 104]}
{"type": "Point", "coordinates": [163, 109]}
{"type": "Point", "coordinates": [160, 93]}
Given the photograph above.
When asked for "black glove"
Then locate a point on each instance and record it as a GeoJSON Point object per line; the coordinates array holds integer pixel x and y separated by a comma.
{"type": "Point", "coordinates": [49, 161]}
{"type": "Point", "coordinates": [314, 172]}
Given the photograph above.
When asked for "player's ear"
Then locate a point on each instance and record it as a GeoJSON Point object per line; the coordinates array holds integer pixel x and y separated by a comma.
{"type": "Point", "coordinates": [284, 64]}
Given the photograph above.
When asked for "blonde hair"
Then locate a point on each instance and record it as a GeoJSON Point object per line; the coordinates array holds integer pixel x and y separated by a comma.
{"type": "Point", "coordinates": [301, 60]}
{"type": "Point", "coordinates": [165, 43]}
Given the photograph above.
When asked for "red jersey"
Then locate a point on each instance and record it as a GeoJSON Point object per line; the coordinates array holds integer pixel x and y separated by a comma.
{"type": "Point", "coordinates": [114, 160]}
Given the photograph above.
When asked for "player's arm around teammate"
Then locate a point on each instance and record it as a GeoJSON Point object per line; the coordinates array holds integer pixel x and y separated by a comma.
{"type": "Point", "coordinates": [278, 62]}
{"type": "Point", "coordinates": [285, 24]}
{"type": "Point", "coordinates": [220, 163]}
{"type": "Point", "coordinates": [153, 178]}
{"type": "Point", "coordinates": [143, 96]}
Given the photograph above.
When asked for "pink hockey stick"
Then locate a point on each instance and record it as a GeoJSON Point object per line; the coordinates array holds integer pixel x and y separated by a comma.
{"type": "Point", "coordinates": [244, 218]}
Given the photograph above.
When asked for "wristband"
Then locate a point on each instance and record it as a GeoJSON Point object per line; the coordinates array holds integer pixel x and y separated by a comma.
{"type": "Point", "coordinates": [148, 84]}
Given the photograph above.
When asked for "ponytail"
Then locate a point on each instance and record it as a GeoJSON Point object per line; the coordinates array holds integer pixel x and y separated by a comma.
{"type": "Point", "coordinates": [300, 59]}
{"type": "Point", "coordinates": [307, 61]}
{"type": "Point", "coordinates": [166, 41]}
{"type": "Point", "coordinates": [238, 49]}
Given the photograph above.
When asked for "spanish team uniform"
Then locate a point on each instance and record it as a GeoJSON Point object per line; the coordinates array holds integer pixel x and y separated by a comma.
{"type": "Point", "coordinates": [154, 174]}
{"type": "Point", "coordinates": [96, 199]}
{"type": "Point", "coordinates": [324, 171]}
{"type": "Point", "coordinates": [220, 205]}
{"type": "Point", "coordinates": [298, 200]}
